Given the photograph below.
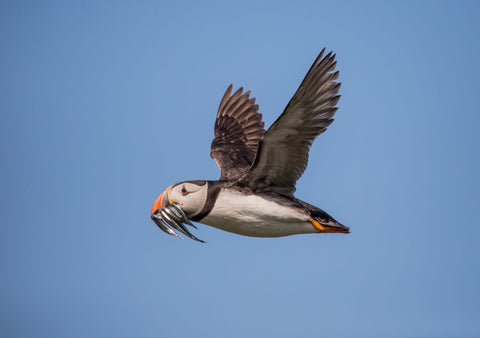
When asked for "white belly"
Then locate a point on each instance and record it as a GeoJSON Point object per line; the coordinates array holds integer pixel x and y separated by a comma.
{"type": "Point", "coordinates": [251, 215]}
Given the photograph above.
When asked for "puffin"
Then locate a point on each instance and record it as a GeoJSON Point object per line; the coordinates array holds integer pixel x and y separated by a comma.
{"type": "Point", "coordinates": [258, 169]}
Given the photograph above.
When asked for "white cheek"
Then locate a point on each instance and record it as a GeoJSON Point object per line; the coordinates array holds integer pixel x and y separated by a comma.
{"type": "Point", "coordinates": [193, 203]}
{"type": "Point", "coordinates": [176, 197]}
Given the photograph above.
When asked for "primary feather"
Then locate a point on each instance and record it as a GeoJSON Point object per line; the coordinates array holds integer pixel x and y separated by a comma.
{"type": "Point", "coordinates": [282, 154]}
{"type": "Point", "coordinates": [238, 130]}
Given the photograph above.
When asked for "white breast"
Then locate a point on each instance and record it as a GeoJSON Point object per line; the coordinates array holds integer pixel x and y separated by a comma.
{"type": "Point", "coordinates": [252, 215]}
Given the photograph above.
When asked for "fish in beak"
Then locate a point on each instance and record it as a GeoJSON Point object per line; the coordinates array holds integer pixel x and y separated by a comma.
{"type": "Point", "coordinates": [168, 216]}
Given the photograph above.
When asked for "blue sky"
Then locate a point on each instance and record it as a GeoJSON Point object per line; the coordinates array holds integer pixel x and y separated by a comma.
{"type": "Point", "coordinates": [105, 104]}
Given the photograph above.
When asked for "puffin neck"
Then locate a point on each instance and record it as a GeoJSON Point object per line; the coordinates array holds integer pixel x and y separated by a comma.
{"type": "Point", "coordinates": [213, 188]}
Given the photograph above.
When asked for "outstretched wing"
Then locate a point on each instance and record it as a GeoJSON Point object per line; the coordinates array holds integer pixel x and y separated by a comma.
{"type": "Point", "coordinates": [238, 129]}
{"type": "Point", "coordinates": [282, 155]}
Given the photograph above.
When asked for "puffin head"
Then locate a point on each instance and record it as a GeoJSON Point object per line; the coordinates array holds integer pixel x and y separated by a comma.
{"type": "Point", "coordinates": [178, 204]}
{"type": "Point", "coordinates": [190, 196]}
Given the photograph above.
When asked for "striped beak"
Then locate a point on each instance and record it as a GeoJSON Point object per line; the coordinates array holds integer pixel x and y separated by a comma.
{"type": "Point", "coordinates": [162, 201]}
{"type": "Point", "coordinates": [170, 217]}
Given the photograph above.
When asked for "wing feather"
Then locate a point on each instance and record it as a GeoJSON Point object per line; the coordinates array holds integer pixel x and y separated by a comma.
{"type": "Point", "coordinates": [282, 154]}
{"type": "Point", "coordinates": [238, 130]}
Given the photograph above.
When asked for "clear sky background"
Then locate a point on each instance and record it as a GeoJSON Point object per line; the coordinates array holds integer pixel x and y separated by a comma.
{"type": "Point", "coordinates": [105, 104]}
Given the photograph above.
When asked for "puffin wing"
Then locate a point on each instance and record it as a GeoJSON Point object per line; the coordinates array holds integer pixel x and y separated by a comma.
{"type": "Point", "coordinates": [282, 154]}
{"type": "Point", "coordinates": [238, 130]}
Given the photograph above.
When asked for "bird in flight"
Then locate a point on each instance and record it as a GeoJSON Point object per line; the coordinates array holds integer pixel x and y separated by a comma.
{"type": "Point", "coordinates": [259, 169]}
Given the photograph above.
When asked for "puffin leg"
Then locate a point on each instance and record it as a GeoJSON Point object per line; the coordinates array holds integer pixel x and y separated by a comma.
{"type": "Point", "coordinates": [329, 228]}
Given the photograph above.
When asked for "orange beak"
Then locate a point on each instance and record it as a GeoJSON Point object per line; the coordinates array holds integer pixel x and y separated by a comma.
{"type": "Point", "coordinates": [162, 201]}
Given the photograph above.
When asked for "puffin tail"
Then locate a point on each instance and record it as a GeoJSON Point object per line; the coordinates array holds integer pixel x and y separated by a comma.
{"type": "Point", "coordinates": [323, 221]}
{"type": "Point", "coordinates": [329, 225]}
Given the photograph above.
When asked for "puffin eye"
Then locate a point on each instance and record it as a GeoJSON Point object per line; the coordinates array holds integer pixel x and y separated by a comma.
{"type": "Point", "coordinates": [184, 191]}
